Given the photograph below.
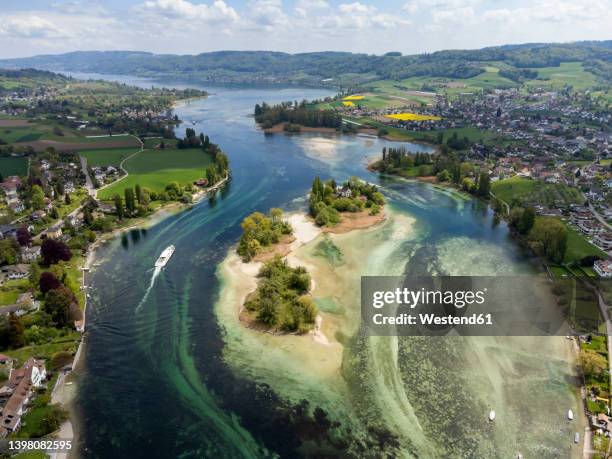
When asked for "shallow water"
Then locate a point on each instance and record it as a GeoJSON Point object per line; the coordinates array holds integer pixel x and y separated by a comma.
{"type": "Point", "coordinates": [179, 377]}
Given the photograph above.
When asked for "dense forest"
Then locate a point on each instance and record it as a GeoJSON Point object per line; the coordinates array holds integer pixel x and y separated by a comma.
{"type": "Point", "coordinates": [277, 67]}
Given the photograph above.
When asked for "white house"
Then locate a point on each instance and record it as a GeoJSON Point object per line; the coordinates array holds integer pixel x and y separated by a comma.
{"type": "Point", "coordinates": [603, 268]}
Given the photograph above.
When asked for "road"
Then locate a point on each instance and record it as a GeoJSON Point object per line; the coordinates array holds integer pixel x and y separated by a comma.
{"type": "Point", "coordinates": [89, 186]}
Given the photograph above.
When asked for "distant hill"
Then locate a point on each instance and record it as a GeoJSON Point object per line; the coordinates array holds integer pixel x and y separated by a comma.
{"type": "Point", "coordinates": [328, 67]}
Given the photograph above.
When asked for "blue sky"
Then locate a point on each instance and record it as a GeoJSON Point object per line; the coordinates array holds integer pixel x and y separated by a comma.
{"type": "Point", "coordinates": [192, 26]}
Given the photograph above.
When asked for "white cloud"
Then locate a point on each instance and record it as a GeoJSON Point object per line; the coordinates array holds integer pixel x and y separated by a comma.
{"type": "Point", "coordinates": [30, 26]}
{"type": "Point", "coordinates": [266, 14]}
{"type": "Point", "coordinates": [217, 11]}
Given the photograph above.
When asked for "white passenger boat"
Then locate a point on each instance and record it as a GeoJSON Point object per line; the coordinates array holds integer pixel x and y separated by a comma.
{"type": "Point", "coordinates": [492, 415]}
{"type": "Point", "coordinates": [570, 415]}
{"type": "Point", "coordinates": [164, 258]}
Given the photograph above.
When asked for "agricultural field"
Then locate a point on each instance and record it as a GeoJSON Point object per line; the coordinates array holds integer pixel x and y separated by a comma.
{"type": "Point", "coordinates": [568, 73]}
{"type": "Point", "coordinates": [107, 156]}
{"type": "Point", "coordinates": [413, 117]}
{"type": "Point", "coordinates": [13, 166]}
{"type": "Point", "coordinates": [154, 169]}
{"type": "Point", "coordinates": [524, 192]}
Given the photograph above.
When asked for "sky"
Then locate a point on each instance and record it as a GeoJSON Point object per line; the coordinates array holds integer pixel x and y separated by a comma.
{"type": "Point", "coordinates": [30, 27]}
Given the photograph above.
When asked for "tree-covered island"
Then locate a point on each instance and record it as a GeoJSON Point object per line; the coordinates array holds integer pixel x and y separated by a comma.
{"type": "Point", "coordinates": [328, 200]}
{"type": "Point", "coordinates": [260, 231]}
{"type": "Point", "coordinates": [281, 302]}
{"type": "Point", "coordinates": [293, 115]}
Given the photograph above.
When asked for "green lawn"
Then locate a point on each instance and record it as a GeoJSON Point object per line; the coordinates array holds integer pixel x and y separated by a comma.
{"type": "Point", "coordinates": [532, 192]}
{"type": "Point", "coordinates": [13, 166]}
{"type": "Point", "coordinates": [568, 73]}
{"type": "Point", "coordinates": [579, 247]}
{"type": "Point", "coordinates": [154, 169]}
{"type": "Point", "coordinates": [11, 289]}
{"type": "Point", "coordinates": [107, 156]}
{"type": "Point", "coordinates": [20, 133]}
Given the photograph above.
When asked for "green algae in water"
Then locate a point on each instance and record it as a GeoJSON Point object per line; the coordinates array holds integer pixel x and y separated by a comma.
{"type": "Point", "coordinates": [329, 305]}
{"type": "Point", "coordinates": [329, 251]}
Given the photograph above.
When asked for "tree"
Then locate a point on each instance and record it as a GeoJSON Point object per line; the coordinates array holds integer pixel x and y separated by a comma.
{"type": "Point", "coordinates": [38, 197]}
{"type": "Point", "coordinates": [484, 185]}
{"type": "Point", "coordinates": [53, 251]}
{"type": "Point", "coordinates": [8, 251]}
{"type": "Point", "coordinates": [67, 199]}
{"type": "Point", "coordinates": [550, 236]}
{"type": "Point", "coordinates": [34, 277]}
{"type": "Point", "coordinates": [526, 220]}
{"type": "Point", "coordinates": [130, 205]}
{"type": "Point", "coordinates": [57, 304]}
{"type": "Point", "coordinates": [48, 281]}
{"type": "Point", "coordinates": [23, 236]}
{"type": "Point", "coordinates": [138, 191]}
{"type": "Point", "coordinates": [593, 364]}
{"type": "Point", "coordinates": [15, 331]}
{"type": "Point", "coordinates": [118, 206]}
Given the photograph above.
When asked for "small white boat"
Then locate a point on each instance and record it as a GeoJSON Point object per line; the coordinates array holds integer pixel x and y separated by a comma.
{"type": "Point", "coordinates": [164, 258]}
{"type": "Point", "coordinates": [576, 437]}
{"type": "Point", "coordinates": [492, 415]}
{"type": "Point", "coordinates": [570, 415]}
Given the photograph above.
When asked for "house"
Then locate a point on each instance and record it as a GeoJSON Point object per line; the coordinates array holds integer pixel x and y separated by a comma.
{"type": "Point", "coordinates": [11, 183]}
{"type": "Point", "coordinates": [19, 271]}
{"type": "Point", "coordinates": [30, 254]}
{"type": "Point", "coordinates": [17, 392]}
{"type": "Point", "coordinates": [590, 228]}
{"type": "Point", "coordinates": [69, 187]}
{"type": "Point", "coordinates": [8, 231]}
{"type": "Point", "coordinates": [55, 231]}
{"type": "Point", "coordinates": [603, 241]}
{"type": "Point", "coordinates": [17, 206]}
{"type": "Point", "coordinates": [603, 268]}
{"type": "Point", "coordinates": [24, 304]}
{"type": "Point", "coordinates": [344, 192]}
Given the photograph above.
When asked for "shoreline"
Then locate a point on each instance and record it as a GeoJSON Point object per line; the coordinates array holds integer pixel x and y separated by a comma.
{"type": "Point", "coordinates": [72, 423]}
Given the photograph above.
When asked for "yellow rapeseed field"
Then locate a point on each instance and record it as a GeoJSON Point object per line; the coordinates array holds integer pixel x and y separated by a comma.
{"type": "Point", "coordinates": [413, 117]}
{"type": "Point", "coordinates": [355, 97]}
{"type": "Point", "coordinates": [348, 104]}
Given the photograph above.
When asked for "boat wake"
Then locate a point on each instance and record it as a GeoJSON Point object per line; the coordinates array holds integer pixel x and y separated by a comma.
{"type": "Point", "coordinates": [156, 271]}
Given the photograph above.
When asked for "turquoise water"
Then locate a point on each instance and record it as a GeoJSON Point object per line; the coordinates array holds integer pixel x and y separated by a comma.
{"type": "Point", "coordinates": [165, 378]}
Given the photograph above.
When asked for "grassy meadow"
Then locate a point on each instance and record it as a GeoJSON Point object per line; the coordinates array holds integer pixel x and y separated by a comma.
{"type": "Point", "coordinates": [13, 166]}
{"type": "Point", "coordinates": [107, 156]}
{"type": "Point", "coordinates": [531, 192]}
{"type": "Point", "coordinates": [154, 169]}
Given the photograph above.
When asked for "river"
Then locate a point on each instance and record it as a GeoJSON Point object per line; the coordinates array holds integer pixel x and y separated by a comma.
{"type": "Point", "coordinates": [166, 376]}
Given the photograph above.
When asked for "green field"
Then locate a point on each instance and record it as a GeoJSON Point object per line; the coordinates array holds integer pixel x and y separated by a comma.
{"type": "Point", "coordinates": [20, 133]}
{"type": "Point", "coordinates": [154, 169]}
{"type": "Point", "coordinates": [107, 156]}
{"type": "Point", "coordinates": [579, 247]}
{"type": "Point", "coordinates": [13, 166]}
{"type": "Point", "coordinates": [568, 73]}
{"type": "Point", "coordinates": [519, 191]}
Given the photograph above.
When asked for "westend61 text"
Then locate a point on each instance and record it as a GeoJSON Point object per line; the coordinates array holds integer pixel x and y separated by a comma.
{"type": "Point", "coordinates": [432, 319]}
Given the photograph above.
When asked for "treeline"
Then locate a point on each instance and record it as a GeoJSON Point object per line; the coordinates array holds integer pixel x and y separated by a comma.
{"type": "Point", "coordinates": [259, 231]}
{"type": "Point", "coordinates": [249, 66]}
{"type": "Point", "coordinates": [280, 301]}
{"type": "Point", "coordinates": [518, 75]}
{"type": "Point", "coordinates": [295, 114]}
{"type": "Point", "coordinates": [447, 167]}
{"type": "Point", "coordinates": [327, 199]}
